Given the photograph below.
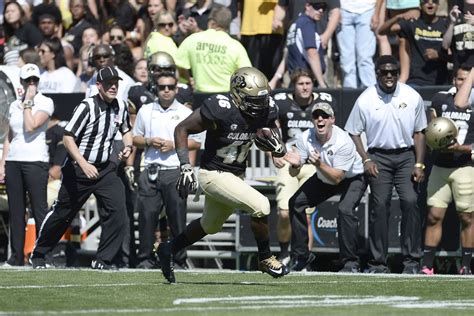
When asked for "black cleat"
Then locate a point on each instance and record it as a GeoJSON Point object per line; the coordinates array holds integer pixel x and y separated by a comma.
{"type": "Point", "coordinates": [38, 262]}
{"type": "Point", "coordinates": [273, 267]}
{"type": "Point", "coordinates": [165, 256]}
{"type": "Point", "coordinates": [98, 264]}
{"type": "Point", "coordinates": [303, 263]}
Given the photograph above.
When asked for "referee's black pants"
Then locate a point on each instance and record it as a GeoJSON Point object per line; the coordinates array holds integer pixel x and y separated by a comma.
{"type": "Point", "coordinates": [152, 197]}
{"type": "Point", "coordinates": [22, 177]}
{"type": "Point", "coordinates": [75, 189]}
{"type": "Point", "coordinates": [312, 193]}
{"type": "Point", "coordinates": [395, 169]}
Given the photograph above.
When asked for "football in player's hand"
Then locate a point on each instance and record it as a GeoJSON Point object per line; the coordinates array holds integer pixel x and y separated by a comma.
{"type": "Point", "coordinates": [267, 139]}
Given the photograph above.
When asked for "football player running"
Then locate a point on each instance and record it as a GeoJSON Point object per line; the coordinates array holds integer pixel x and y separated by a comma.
{"type": "Point", "coordinates": [231, 121]}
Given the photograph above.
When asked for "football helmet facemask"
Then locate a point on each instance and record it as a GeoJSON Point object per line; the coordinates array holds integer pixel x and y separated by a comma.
{"type": "Point", "coordinates": [250, 91]}
{"type": "Point", "coordinates": [160, 62]}
{"type": "Point", "coordinates": [441, 133]}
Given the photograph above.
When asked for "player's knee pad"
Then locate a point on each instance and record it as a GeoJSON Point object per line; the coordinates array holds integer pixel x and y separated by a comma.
{"type": "Point", "coordinates": [261, 208]}
{"type": "Point", "coordinates": [212, 227]}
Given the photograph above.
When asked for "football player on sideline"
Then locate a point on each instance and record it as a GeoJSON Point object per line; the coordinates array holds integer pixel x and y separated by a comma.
{"type": "Point", "coordinates": [231, 121]}
{"type": "Point", "coordinates": [452, 175]}
{"type": "Point", "coordinates": [294, 117]}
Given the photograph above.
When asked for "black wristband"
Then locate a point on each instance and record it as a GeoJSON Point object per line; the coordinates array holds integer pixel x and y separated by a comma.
{"type": "Point", "coordinates": [183, 155]}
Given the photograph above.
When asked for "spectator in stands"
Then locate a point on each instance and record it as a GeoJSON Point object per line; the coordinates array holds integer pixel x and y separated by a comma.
{"type": "Point", "coordinates": [392, 115]}
{"type": "Point", "coordinates": [194, 19]}
{"type": "Point", "coordinates": [124, 58]}
{"type": "Point", "coordinates": [146, 20]}
{"type": "Point", "coordinates": [294, 117]}
{"type": "Point", "coordinates": [48, 19]}
{"type": "Point", "coordinates": [19, 32]}
{"type": "Point", "coordinates": [56, 78]}
{"type": "Point", "coordinates": [263, 44]}
{"type": "Point", "coordinates": [339, 171]}
{"type": "Point", "coordinates": [29, 56]}
{"type": "Point", "coordinates": [212, 55]}
{"type": "Point", "coordinates": [427, 60]}
{"type": "Point", "coordinates": [408, 10]}
{"type": "Point", "coordinates": [153, 131]}
{"type": "Point", "coordinates": [304, 44]}
{"type": "Point", "coordinates": [82, 18]}
{"type": "Point", "coordinates": [120, 12]}
{"type": "Point", "coordinates": [24, 164]}
{"type": "Point", "coordinates": [90, 36]}
{"type": "Point", "coordinates": [84, 71]}
{"type": "Point", "coordinates": [161, 38]}
{"type": "Point", "coordinates": [452, 174]}
{"type": "Point", "coordinates": [356, 42]}
{"type": "Point", "coordinates": [247, 108]}
{"type": "Point", "coordinates": [88, 170]}
{"type": "Point", "coordinates": [458, 36]}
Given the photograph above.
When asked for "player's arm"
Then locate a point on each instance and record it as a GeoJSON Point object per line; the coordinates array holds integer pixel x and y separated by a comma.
{"type": "Point", "coordinates": [193, 124]}
{"type": "Point", "coordinates": [461, 99]}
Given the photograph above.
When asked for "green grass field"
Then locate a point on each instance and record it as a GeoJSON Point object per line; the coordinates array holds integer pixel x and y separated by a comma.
{"type": "Point", "coordinates": [206, 292]}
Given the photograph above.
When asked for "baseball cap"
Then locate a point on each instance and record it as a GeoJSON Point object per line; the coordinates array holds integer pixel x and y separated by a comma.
{"type": "Point", "coordinates": [323, 106]}
{"type": "Point", "coordinates": [29, 70]}
{"type": "Point", "coordinates": [108, 73]}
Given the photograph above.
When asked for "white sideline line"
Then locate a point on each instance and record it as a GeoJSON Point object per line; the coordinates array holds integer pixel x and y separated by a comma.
{"type": "Point", "coordinates": [273, 302]}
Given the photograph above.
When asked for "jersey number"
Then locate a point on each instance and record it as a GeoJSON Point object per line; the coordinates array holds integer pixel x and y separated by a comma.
{"type": "Point", "coordinates": [235, 152]}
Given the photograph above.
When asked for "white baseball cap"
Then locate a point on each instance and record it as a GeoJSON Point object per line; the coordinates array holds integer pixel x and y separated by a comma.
{"type": "Point", "coordinates": [29, 70]}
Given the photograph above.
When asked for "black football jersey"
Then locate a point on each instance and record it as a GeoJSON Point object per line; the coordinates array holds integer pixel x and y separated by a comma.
{"type": "Point", "coordinates": [294, 118]}
{"type": "Point", "coordinates": [228, 143]}
{"type": "Point", "coordinates": [443, 105]}
{"type": "Point", "coordinates": [137, 96]}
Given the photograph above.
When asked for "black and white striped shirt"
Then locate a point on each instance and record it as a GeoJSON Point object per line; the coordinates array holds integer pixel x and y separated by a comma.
{"type": "Point", "coordinates": [94, 125]}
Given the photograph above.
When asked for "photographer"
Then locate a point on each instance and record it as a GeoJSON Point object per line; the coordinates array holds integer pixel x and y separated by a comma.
{"type": "Point", "coordinates": [153, 131]}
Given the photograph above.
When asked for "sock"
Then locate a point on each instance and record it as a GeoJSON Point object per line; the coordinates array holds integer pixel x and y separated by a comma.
{"type": "Point", "coordinates": [428, 256]}
{"type": "Point", "coordinates": [178, 243]}
{"type": "Point", "coordinates": [284, 249]}
{"type": "Point", "coordinates": [467, 256]}
{"type": "Point", "coordinates": [263, 246]}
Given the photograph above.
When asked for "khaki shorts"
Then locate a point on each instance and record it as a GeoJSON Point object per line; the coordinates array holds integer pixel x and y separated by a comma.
{"type": "Point", "coordinates": [225, 192]}
{"type": "Point", "coordinates": [287, 185]}
{"type": "Point", "coordinates": [447, 183]}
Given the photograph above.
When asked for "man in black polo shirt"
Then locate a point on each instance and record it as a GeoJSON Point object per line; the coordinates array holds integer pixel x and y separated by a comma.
{"type": "Point", "coordinates": [88, 139]}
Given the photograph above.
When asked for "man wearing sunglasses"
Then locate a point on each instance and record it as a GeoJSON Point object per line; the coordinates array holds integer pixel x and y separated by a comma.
{"type": "Point", "coordinates": [427, 60]}
{"type": "Point", "coordinates": [392, 115]}
{"type": "Point", "coordinates": [339, 171]}
{"type": "Point", "coordinates": [153, 131]}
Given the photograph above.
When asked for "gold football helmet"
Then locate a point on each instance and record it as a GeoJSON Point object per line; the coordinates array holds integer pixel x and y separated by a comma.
{"type": "Point", "coordinates": [441, 133]}
{"type": "Point", "coordinates": [159, 62]}
{"type": "Point", "coordinates": [250, 91]}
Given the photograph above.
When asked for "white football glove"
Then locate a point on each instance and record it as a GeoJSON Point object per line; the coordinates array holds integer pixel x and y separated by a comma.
{"type": "Point", "coordinates": [187, 181]}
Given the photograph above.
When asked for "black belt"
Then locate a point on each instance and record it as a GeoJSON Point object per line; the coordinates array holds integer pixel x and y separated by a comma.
{"type": "Point", "coordinates": [390, 151]}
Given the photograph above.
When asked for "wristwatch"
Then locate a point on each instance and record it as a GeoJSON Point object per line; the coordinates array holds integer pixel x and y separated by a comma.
{"type": "Point", "coordinates": [472, 152]}
{"type": "Point", "coordinates": [420, 165]}
{"type": "Point", "coordinates": [27, 104]}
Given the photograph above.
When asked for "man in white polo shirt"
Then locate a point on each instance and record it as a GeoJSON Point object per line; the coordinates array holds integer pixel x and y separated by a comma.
{"type": "Point", "coordinates": [392, 115]}
{"type": "Point", "coordinates": [153, 131]}
{"type": "Point", "coordinates": [339, 171]}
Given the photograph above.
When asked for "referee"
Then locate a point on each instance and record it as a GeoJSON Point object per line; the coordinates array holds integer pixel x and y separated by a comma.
{"type": "Point", "coordinates": [88, 139]}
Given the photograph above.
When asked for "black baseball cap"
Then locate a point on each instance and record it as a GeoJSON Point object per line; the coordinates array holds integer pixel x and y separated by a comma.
{"type": "Point", "coordinates": [107, 73]}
